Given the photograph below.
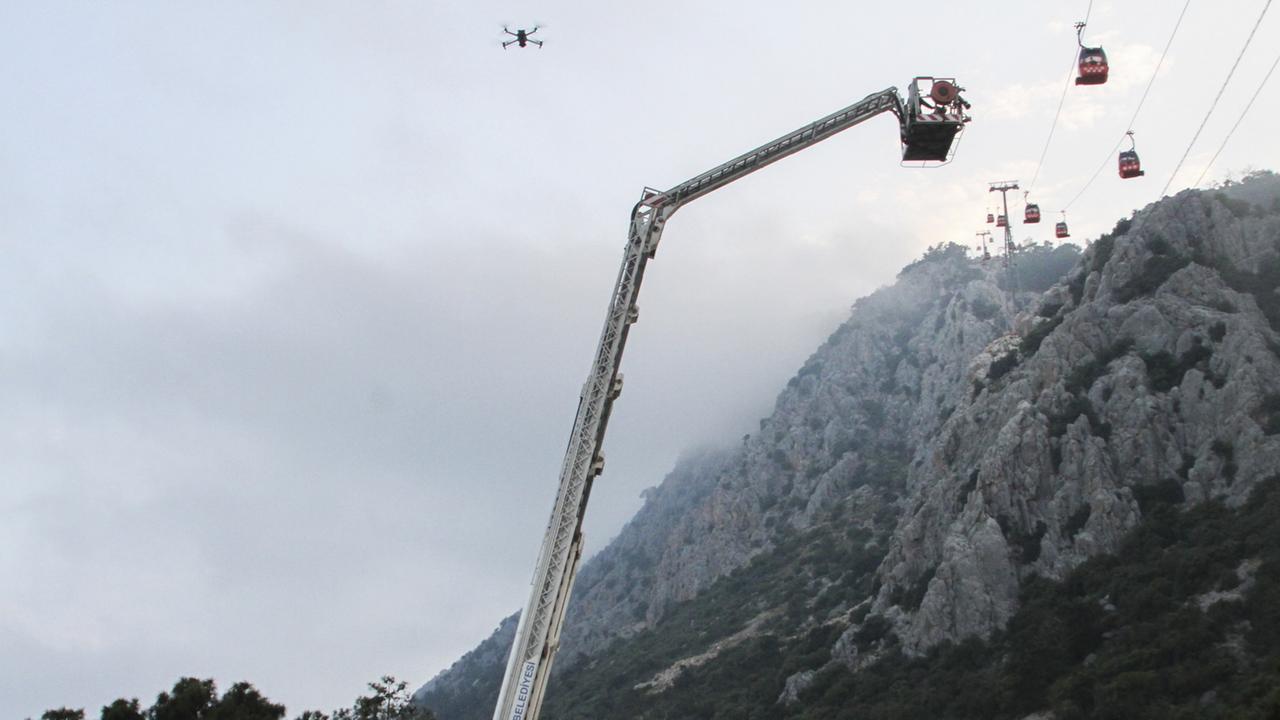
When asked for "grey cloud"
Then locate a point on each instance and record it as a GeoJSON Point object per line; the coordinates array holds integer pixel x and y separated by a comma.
{"type": "Point", "coordinates": [296, 301]}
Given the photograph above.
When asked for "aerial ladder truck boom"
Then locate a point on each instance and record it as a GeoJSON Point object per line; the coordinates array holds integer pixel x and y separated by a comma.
{"type": "Point", "coordinates": [928, 125]}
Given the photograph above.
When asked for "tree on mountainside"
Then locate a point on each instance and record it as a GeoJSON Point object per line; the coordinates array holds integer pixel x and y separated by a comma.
{"type": "Point", "coordinates": [191, 699]}
{"type": "Point", "coordinates": [244, 702]}
{"type": "Point", "coordinates": [122, 710]}
{"type": "Point", "coordinates": [1039, 267]}
{"type": "Point", "coordinates": [940, 253]}
{"type": "Point", "coordinates": [196, 699]}
{"type": "Point", "coordinates": [390, 701]}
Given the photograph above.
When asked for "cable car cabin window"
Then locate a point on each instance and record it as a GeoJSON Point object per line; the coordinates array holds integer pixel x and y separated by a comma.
{"type": "Point", "coordinates": [1130, 165]}
{"type": "Point", "coordinates": [1093, 66]}
{"type": "Point", "coordinates": [1032, 215]}
{"type": "Point", "coordinates": [1060, 230]}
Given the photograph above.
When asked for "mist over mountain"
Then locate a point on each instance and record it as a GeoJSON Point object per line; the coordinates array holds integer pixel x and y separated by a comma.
{"type": "Point", "coordinates": [986, 495]}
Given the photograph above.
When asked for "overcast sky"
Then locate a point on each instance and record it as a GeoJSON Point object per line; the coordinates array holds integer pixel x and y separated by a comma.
{"type": "Point", "coordinates": [296, 298]}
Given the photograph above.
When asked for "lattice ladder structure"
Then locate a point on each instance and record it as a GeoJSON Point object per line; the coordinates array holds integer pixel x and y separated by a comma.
{"type": "Point", "coordinates": [927, 134]}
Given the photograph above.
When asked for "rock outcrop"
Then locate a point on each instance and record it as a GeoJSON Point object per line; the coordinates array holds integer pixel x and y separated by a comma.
{"type": "Point", "coordinates": [878, 387]}
{"type": "Point", "coordinates": [1150, 368]}
{"type": "Point", "coordinates": [968, 438]}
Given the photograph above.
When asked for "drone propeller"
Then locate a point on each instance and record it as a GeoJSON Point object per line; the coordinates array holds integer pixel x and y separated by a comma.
{"type": "Point", "coordinates": [523, 35]}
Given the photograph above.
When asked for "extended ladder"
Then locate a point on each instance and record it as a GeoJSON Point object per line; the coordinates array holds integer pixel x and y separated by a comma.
{"type": "Point", "coordinates": [927, 133]}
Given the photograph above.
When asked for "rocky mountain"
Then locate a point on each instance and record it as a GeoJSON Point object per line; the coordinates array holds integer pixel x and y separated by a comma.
{"type": "Point", "coordinates": [964, 441]}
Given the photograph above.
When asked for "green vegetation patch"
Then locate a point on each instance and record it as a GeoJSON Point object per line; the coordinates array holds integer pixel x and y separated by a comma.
{"type": "Point", "coordinates": [941, 254]}
{"type": "Point", "coordinates": [1122, 637]}
{"type": "Point", "coordinates": [1078, 520]}
{"type": "Point", "coordinates": [910, 597]}
{"type": "Point", "coordinates": [983, 309]}
{"type": "Point", "coordinates": [1001, 367]}
{"type": "Point", "coordinates": [1157, 269]}
{"type": "Point", "coordinates": [1269, 415]}
{"type": "Point", "coordinates": [1227, 452]}
{"type": "Point", "coordinates": [1086, 374]}
{"type": "Point", "coordinates": [1076, 406]}
{"type": "Point", "coordinates": [1031, 343]}
{"type": "Point", "coordinates": [796, 595]}
{"type": "Point", "coordinates": [1262, 285]}
{"type": "Point", "coordinates": [195, 699]}
{"type": "Point", "coordinates": [1164, 372]}
{"type": "Point", "coordinates": [1106, 245]}
{"type": "Point", "coordinates": [1238, 207]}
{"type": "Point", "coordinates": [1039, 267]}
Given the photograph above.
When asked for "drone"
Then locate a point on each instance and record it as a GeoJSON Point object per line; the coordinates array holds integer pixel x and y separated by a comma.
{"type": "Point", "coordinates": [521, 38]}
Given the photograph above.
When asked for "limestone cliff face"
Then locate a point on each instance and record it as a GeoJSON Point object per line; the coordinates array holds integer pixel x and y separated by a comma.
{"type": "Point", "coordinates": [977, 437]}
{"type": "Point", "coordinates": [876, 390]}
{"type": "Point", "coordinates": [1150, 368]}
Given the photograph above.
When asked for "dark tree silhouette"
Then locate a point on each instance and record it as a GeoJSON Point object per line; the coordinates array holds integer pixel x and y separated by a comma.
{"type": "Point", "coordinates": [123, 710]}
{"type": "Point", "coordinates": [244, 702]}
{"type": "Point", "coordinates": [191, 699]}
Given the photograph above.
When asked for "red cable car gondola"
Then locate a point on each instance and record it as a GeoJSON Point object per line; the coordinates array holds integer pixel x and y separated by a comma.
{"type": "Point", "coordinates": [1032, 213]}
{"type": "Point", "coordinates": [1093, 62]}
{"type": "Point", "coordinates": [1002, 221]}
{"type": "Point", "coordinates": [1093, 66]}
{"type": "Point", "coordinates": [1060, 230]}
{"type": "Point", "coordinates": [1130, 165]}
{"type": "Point", "coordinates": [990, 218]}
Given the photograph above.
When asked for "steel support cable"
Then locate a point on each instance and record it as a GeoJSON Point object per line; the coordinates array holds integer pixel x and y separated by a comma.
{"type": "Point", "coordinates": [1054, 126]}
{"type": "Point", "coordinates": [1058, 113]}
{"type": "Point", "coordinates": [1217, 97]}
{"type": "Point", "coordinates": [1111, 153]}
{"type": "Point", "coordinates": [1105, 160]}
{"type": "Point", "coordinates": [1232, 131]}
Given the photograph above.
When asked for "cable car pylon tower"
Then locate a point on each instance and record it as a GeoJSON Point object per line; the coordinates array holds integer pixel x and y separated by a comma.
{"type": "Point", "coordinates": [985, 235]}
{"type": "Point", "coordinates": [1003, 187]}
